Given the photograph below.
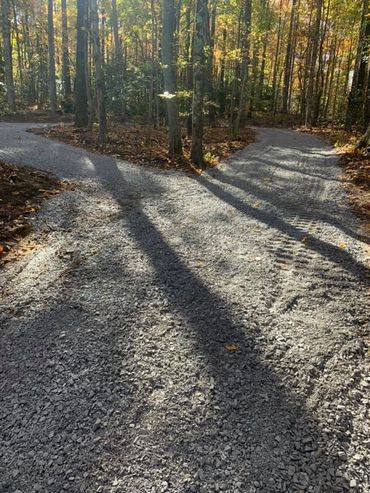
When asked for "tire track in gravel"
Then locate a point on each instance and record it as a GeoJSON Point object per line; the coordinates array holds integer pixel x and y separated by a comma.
{"type": "Point", "coordinates": [114, 372]}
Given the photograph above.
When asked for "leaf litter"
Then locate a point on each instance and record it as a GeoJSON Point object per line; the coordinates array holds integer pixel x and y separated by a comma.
{"type": "Point", "coordinates": [22, 190]}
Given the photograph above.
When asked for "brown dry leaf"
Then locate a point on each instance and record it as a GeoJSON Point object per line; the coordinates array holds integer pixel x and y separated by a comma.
{"type": "Point", "coordinates": [1, 249]}
{"type": "Point", "coordinates": [231, 348]}
{"type": "Point", "coordinates": [143, 144]}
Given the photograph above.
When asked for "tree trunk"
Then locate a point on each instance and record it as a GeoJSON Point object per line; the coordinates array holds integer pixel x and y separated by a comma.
{"type": "Point", "coordinates": [52, 78]}
{"type": "Point", "coordinates": [117, 42]}
{"type": "Point", "coordinates": [7, 49]}
{"type": "Point", "coordinates": [222, 87]}
{"type": "Point", "coordinates": [81, 114]}
{"type": "Point", "coordinates": [352, 98]}
{"type": "Point", "coordinates": [99, 74]}
{"type": "Point", "coordinates": [364, 140]}
{"type": "Point", "coordinates": [66, 77]}
{"type": "Point", "coordinates": [199, 40]}
{"type": "Point", "coordinates": [288, 60]}
{"type": "Point", "coordinates": [169, 76]}
{"type": "Point", "coordinates": [276, 61]}
{"type": "Point", "coordinates": [319, 84]}
{"type": "Point", "coordinates": [246, 23]}
{"type": "Point", "coordinates": [189, 67]}
{"type": "Point", "coordinates": [19, 53]}
{"type": "Point", "coordinates": [210, 75]}
{"type": "Point", "coordinates": [315, 39]}
{"type": "Point", "coordinates": [154, 103]}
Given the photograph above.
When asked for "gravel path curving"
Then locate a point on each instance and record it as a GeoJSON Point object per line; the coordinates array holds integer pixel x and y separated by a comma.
{"type": "Point", "coordinates": [181, 334]}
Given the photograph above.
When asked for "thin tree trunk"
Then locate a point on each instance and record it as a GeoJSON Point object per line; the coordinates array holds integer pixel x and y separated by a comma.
{"type": "Point", "coordinates": [19, 53]}
{"type": "Point", "coordinates": [303, 102]}
{"type": "Point", "coordinates": [252, 99]}
{"type": "Point", "coordinates": [91, 103]}
{"type": "Point", "coordinates": [288, 60]}
{"type": "Point", "coordinates": [66, 77]}
{"type": "Point", "coordinates": [276, 61]}
{"type": "Point", "coordinates": [154, 104]}
{"type": "Point", "coordinates": [81, 113]}
{"type": "Point", "coordinates": [99, 73]}
{"type": "Point", "coordinates": [246, 19]}
{"type": "Point", "coordinates": [222, 90]}
{"type": "Point", "coordinates": [189, 67]}
{"type": "Point", "coordinates": [117, 42]}
{"type": "Point", "coordinates": [169, 76]}
{"type": "Point", "coordinates": [319, 83]}
{"type": "Point", "coordinates": [330, 81]}
{"type": "Point", "coordinates": [7, 49]}
{"type": "Point", "coordinates": [199, 40]}
{"type": "Point", "coordinates": [315, 38]}
{"type": "Point", "coordinates": [52, 78]}
{"type": "Point", "coordinates": [211, 31]}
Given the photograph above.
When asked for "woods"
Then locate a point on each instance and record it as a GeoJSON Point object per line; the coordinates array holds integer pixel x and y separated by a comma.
{"type": "Point", "coordinates": [188, 62]}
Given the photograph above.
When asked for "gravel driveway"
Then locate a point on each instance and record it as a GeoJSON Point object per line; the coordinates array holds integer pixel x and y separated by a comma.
{"type": "Point", "coordinates": [187, 334]}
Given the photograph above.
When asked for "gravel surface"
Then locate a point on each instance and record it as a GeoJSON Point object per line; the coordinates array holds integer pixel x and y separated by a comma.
{"type": "Point", "coordinates": [187, 334]}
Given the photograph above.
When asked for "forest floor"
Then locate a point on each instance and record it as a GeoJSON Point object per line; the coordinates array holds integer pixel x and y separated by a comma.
{"type": "Point", "coordinates": [144, 144]}
{"type": "Point", "coordinates": [187, 333]}
{"type": "Point", "coordinates": [22, 191]}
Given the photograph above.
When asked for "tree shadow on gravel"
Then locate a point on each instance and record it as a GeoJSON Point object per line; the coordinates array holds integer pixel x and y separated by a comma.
{"type": "Point", "coordinates": [277, 197]}
{"type": "Point", "coordinates": [331, 252]}
{"type": "Point", "coordinates": [254, 435]}
{"type": "Point", "coordinates": [251, 435]}
{"type": "Point", "coordinates": [290, 199]}
{"type": "Point", "coordinates": [60, 380]}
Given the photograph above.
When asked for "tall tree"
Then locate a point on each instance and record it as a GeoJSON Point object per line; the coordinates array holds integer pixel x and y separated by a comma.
{"type": "Point", "coordinates": [99, 73]}
{"type": "Point", "coordinates": [211, 32]}
{"type": "Point", "coordinates": [51, 44]}
{"type": "Point", "coordinates": [288, 59]}
{"type": "Point", "coordinates": [169, 76]}
{"type": "Point", "coordinates": [66, 76]}
{"type": "Point", "coordinates": [315, 40]}
{"type": "Point", "coordinates": [245, 45]}
{"type": "Point", "coordinates": [81, 114]}
{"type": "Point", "coordinates": [7, 49]}
{"type": "Point", "coordinates": [353, 95]}
{"type": "Point", "coordinates": [117, 42]}
{"type": "Point", "coordinates": [199, 60]}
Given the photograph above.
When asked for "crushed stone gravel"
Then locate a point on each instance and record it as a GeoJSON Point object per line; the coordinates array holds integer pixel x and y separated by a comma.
{"type": "Point", "coordinates": [187, 334]}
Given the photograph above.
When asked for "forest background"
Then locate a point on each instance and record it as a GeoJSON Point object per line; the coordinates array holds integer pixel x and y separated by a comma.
{"type": "Point", "coordinates": [188, 63]}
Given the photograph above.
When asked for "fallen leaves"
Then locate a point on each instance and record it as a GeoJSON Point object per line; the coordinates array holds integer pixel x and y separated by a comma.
{"type": "Point", "coordinates": [146, 145]}
{"type": "Point", "coordinates": [21, 191]}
